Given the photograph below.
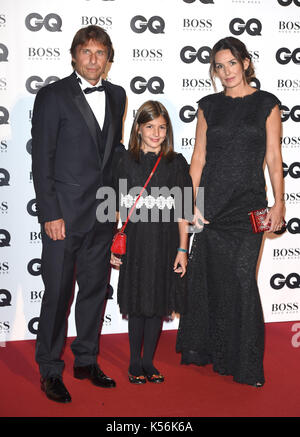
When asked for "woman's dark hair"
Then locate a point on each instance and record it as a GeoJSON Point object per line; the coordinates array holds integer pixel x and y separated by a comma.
{"type": "Point", "coordinates": [94, 33]}
{"type": "Point", "coordinates": [148, 112]}
{"type": "Point", "coordinates": [238, 50]}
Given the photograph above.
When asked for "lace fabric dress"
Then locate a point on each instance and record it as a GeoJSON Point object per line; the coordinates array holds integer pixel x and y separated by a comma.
{"type": "Point", "coordinates": [147, 285]}
{"type": "Point", "coordinates": [224, 322]}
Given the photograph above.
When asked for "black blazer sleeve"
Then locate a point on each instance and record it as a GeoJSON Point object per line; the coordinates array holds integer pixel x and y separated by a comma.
{"type": "Point", "coordinates": [45, 128]}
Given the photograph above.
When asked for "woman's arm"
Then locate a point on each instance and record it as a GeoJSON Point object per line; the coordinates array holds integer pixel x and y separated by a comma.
{"type": "Point", "coordinates": [274, 164]}
{"type": "Point", "coordinates": [198, 161]}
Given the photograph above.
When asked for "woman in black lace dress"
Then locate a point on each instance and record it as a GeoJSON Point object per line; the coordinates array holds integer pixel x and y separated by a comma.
{"type": "Point", "coordinates": [237, 130]}
{"type": "Point", "coordinates": [151, 278]}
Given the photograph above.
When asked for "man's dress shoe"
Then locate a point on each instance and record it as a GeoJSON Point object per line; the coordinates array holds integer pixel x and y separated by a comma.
{"type": "Point", "coordinates": [55, 389]}
{"type": "Point", "coordinates": [94, 374]}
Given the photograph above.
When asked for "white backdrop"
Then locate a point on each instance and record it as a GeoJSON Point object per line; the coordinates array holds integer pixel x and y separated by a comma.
{"type": "Point", "coordinates": [161, 52]}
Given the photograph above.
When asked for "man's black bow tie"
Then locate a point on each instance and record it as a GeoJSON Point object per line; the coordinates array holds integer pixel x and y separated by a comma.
{"type": "Point", "coordinates": [95, 88]}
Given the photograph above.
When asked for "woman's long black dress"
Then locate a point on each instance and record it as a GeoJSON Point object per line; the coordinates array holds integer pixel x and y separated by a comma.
{"type": "Point", "coordinates": [224, 321]}
{"type": "Point", "coordinates": [147, 283]}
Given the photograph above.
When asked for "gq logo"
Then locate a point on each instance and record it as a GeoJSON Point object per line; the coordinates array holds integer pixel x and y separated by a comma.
{"type": "Point", "coordinates": [4, 115]}
{"type": "Point", "coordinates": [284, 56]}
{"type": "Point", "coordinates": [293, 226]}
{"type": "Point", "coordinates": [288, 2]}
{"type": "Point", "coordinates": [253, 27]}
{"type": "Point", "coordinates": [34, 267]}
{"type": "Point", "coordinates": [286, 113]}
{"type": "Point", "coordinates": [205, 2]}
{"type": "Point", "coordinates": [34, 83]}
{"type": "Point", "coordinates": [139, 24]}
{"type": "Point", "coordinates": [189, 54]}
{"type": "Point", "coordinates": [293, 170]}
{"type": "Point", "coordinates": [3, 53]}
{"type": "Point", "coordinates": [35, 22]}
{"type": "Point", "coordinates": [4, 177]}
{"type": "Point", "coordinates": [278, 281]}
{"type": "Point", "coordinates": [187, 114]}
{"type": "Point", "coordinates": [5, 298]}
{"type": "Point", "coordinates": [33, 325]}
{"type": "Point", "coordinates": [139, 85]}
{"type": "Point", "coordinates": [31, 208]}
{"type": "Point", "coordinates": [4, 238]}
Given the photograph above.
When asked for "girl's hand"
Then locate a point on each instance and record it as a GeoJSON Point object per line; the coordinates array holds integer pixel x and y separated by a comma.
{"type": "Point", "coordinates": [180, 263]}
{"type": "Point", "coordinates": [199, 217]}
{"type": "Point", "coordinates": [275, 216]}
{"type": "Point", "coordinates": [115, 261]}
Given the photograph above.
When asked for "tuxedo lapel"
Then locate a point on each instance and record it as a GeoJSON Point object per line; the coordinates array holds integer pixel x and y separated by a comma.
{"type": "Point", "coordinates": [85, 110]}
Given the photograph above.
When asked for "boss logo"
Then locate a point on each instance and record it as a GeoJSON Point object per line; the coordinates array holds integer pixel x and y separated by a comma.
{"type": "Point", "coordinates": [42, 52]}
{"type": "Point", "coordinates": [4, 207]}
{"type": "Point", "coordinates": [36, 296]}
{"type": "Point", "coordinates": [96, 21]}
{"type": "Point", "coordinates": [4, 177]}
{"type": "Point", "coordinates": [4, 326]}
{"type": "Point", "coordinates": [187, 114]}
{"type": "Point", "coordinates": [293, 170]}
{"type": "Point", "coordinates": [34, 83]}
{"type": "Point", "coordinates": [4, 238]}
{"type": "Point", "coordinates": [290, 141]}
{"type": "Point", "coordinates": [3, 146]}
{"type": "Point", "coordinates": [288, 2]}
{"type": "Point", "coordinates": [285, 307]}
{"type": "Point", "coordinates": [253, 27]}
{"type": "Point", "coordinates": [140, 24]}
{"type": "Point", "coordinates": [293, 113]}
{"type": "Point", "coordinates": [3, 53]}
{"type": "Point", "coordinates": [35, 22]}
{"type": "Point", "coordinates": [278, 281]}
{"type": "Point", "coordinates": [288, 83]}
{"type": "Point", "coordinates": [284, 56]}
{"type": "Point", "coordinates": [147, 54]}
{"type": "Point", "coordinates": [139, 85]}
{"type": "Point", "coordinates": [291, 252]}
{"type": "Point", "coordinates": [4, 267]}
{"type": "Point", "coordinates": [4, 115]}
{"type": "Point", "coordinates": [289, 25]}
{"type": "Point", "coordinates": [196, 83]}
{"type": "Point", "coordinates": [5, 298]}
{"type": "Point", "coordinates": [188, 142]}
{"type": "Point", "coordinates": [34, 267]}
{"type": "Point", "coordinates": [195, 23]}
{"type": "Point", "coordinates": [292, 197]}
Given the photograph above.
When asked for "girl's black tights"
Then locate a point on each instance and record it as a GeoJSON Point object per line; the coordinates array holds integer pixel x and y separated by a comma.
{"type": "Point", "coordinates": [141, 329]}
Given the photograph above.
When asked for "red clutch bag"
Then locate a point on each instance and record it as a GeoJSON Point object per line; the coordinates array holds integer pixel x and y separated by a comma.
{"type": "Point", "coordinates": [257, 219]}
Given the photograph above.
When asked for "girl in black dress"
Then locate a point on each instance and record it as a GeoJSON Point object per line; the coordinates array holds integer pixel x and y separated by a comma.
{"type": "Point", "coordinates": [237, 131]}
{"type": "Point", "coordinates": [151, 278]}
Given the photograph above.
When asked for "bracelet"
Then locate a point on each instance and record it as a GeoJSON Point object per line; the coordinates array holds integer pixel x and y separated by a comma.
{"type": "Point", "coordinates": [181, 250]}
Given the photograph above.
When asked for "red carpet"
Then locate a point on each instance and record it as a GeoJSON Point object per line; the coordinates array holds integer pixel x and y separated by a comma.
{"type": "Point", "coordinates": [189, 391]}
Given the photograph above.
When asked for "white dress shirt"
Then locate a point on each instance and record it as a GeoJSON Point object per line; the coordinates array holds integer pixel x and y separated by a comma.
{"type": "Point", "coordinates": [96, 100]}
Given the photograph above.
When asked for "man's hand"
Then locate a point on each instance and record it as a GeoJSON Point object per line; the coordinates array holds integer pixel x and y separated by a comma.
{"type": "Point", "coordinates": [56, 229]}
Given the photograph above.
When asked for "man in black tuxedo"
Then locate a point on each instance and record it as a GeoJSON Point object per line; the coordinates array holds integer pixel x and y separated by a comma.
{"type": "Point", "coordinates": [76, 129]}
